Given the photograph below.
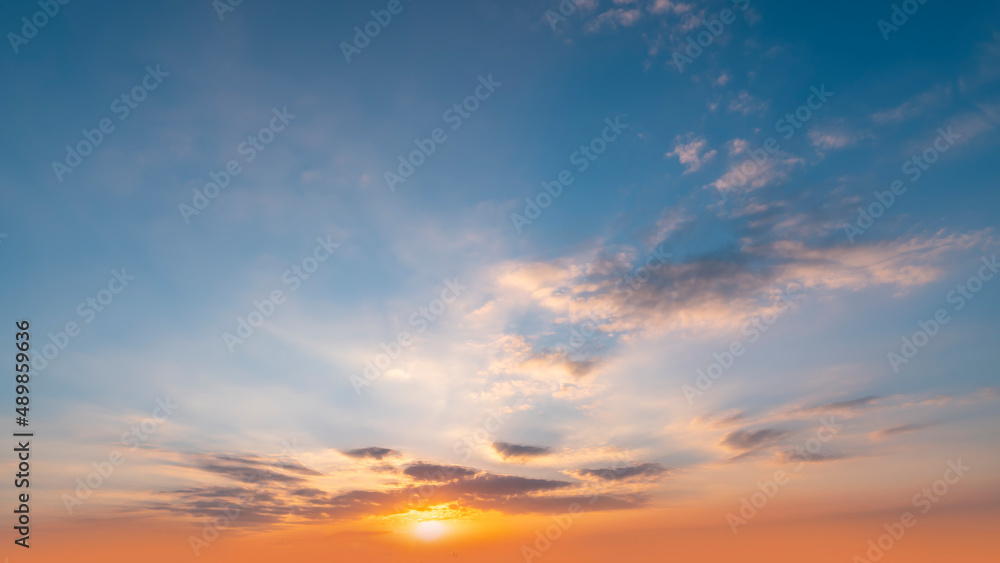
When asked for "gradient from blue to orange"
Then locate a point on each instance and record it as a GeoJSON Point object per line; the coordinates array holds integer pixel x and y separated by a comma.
{"type": "Point", "coordinates": [520, 361]}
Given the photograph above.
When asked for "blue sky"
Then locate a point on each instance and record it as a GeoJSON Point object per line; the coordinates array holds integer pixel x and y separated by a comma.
{"type": "Point", "coordinates": [494, 347]}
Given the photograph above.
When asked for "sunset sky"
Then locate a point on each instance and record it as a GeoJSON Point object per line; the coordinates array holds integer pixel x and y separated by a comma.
{"type": "Point", "coordinates": [505, 281]}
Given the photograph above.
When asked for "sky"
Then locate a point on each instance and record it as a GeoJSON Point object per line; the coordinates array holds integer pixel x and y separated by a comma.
{"type": "Point", "coordinates": [496, 281]}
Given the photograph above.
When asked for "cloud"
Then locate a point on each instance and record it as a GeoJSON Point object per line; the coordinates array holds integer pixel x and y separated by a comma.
{"type": "Point", "coordinates": [371, 453]}
{"type": "Point", "coordinates": [250, 469]}
{"type": "Point", "coordinates": [613, 19]}
{"type": "Point", "coordinates": [972, 124]}
{"type": "Point", "coordinates": [256, 506]}
{"type": "Point", "coordinates": [668, 6]}
{"type": "Point", "coordinates": [726, 419]}
{"type": "Point", "coordinates": [435, 472]}
{"type": "Point", "coordinates": [835, 135]}
{"type": "Point", "coordinates": [515, 353]}
{"type": "Point", "coordinates": [988, 64]}
{"type": "Point", "coordinates": [271, 501]}
{"type": "Point", "coordinates": [753, 439]}
{"type": "Point", "coordinates": [717, 289]}
{"type": "Point", "coordinates": [903, 263]}
{"type": "Point", "coordinates": [746, 174]}
{"type": "Point", "coordinates": [359, 533]}
{"type": "Point", "coordinates": [692, 154]}
{"type": "Point", "coordinates": [897, 430]}
{"type": "Point", "coordinates": [737, 146]}
{"type": "Point", "coordinates": [249, 475]}
{"type": "Point", "coordinates": [517, 451]}
{"type": "Point", "coordinates": [913, 107]}
{"type": "Point", "coordinates": [287, 465]}
{"type": "Point", "coordinates": [807, 457]}
{"type": "Point", "coordinates": [671, 220]}
{"type": "Point", "coordinates": [308, 492]}
{"type": "Point", "coordinates": [840, 406]}
{"type": "Point", "coordinates": [746, 104]}
{"type": "Point", "coordinates": [642, 471]}
{"type": "Point", "coordinates": [823, 140]}
{"type": "Point", "coordinates": [560, 359]}
{"type": "Point", "coordinates": [562, 504]}
{"type": "Point", "coordinates": [490, 485]}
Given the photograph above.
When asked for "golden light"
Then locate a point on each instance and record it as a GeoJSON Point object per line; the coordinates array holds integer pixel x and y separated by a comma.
{"type": "Point", "coordinates": [429, 530]}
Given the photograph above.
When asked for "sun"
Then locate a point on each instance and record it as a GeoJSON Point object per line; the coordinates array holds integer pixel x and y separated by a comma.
{"type": "Point", "coordinates": [429, 530]}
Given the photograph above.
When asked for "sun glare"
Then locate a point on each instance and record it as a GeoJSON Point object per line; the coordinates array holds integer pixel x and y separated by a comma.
{"type": "Point", "coordinates": [430, 530]}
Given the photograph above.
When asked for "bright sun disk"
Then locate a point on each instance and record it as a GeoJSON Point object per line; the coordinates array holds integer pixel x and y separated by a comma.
{"type": "Point", "coordinates": [430, 530]}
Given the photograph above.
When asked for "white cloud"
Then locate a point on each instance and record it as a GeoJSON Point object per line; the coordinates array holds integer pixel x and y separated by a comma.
{"type": "Point", "coordinates": [746, 104]}
{"type": "Point", "coordinates": [612, 19]}
{"type": "Point", "coordinates": [692, 154]}
{"type": "Point", "coordinates": [748, 175]}
{"type": "Point", "coordinates": [737, 146]}
{"type": "Point", "coordinates": [829, 140]}
{"type": "Point", "coordinates": [666, 7]}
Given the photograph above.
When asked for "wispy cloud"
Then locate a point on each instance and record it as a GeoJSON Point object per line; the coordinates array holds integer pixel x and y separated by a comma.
{"type": "Point", "coordinates": [372, 453]}
{"type": "Point", "coordinates": [753, 439]}
{"type": "Point", "coordinates": [641, 471]}
{"type": "Point", "coordinates": [840, 406]}
{"type": "Point", "coordinates": [914, 106]}
{"type": "Point", "coordinates": [510, 451]}
{"type": "Point", "coordinates": [746, 104]}
{"type": "Point", "coordinates": [897, 430]}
